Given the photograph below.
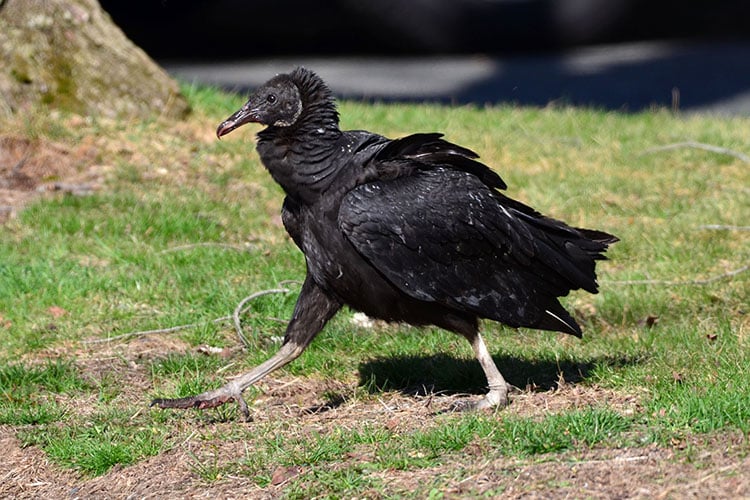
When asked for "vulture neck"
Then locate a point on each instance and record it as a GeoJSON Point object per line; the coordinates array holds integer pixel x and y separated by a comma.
{"type": "Point", "coordinates": [301, 157]}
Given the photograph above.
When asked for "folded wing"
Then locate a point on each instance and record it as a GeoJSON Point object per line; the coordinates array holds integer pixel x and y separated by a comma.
{"type": "Point", "coordinates": [443, 235]}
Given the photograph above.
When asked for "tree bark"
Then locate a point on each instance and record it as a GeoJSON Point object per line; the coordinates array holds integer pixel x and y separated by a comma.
{"type": "Point", "coordinates": [69, 55]}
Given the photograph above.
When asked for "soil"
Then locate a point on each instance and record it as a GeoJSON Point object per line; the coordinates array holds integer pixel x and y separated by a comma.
{"type": "Point", "coordinates": [648, 472]}
{"type": "Point", "coordinates": [30, 168]}
{"type": "Point", "coordinates": [716, 468]}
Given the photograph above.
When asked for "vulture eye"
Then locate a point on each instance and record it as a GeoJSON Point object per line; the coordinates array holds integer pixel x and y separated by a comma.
{"type": "Point", "coordinates": [271, 98]}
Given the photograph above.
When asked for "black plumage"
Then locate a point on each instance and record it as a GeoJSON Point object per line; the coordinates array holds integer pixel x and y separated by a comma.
{"type": "Point", "coordinates": [413, 229]}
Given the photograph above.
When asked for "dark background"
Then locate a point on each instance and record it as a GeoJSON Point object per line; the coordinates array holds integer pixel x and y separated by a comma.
{"type": "Point", "coordinates": [623, 55]}
{"type": "Point", "coordinates": [244, 28]}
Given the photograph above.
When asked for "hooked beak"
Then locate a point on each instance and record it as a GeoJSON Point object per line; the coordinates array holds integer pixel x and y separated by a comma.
{"type": "Point", "coordinates": [240, 117]}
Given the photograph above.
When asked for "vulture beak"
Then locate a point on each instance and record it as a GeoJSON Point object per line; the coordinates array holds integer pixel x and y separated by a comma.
{"type": "Point", "coordinates": [240, 117]}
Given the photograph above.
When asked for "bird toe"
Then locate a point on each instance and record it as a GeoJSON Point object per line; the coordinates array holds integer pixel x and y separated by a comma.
{"type": "Point", "coordinates": [488, 401]}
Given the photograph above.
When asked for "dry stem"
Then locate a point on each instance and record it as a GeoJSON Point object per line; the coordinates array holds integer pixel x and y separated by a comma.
{"type": "Point", "coordinates": [699, 145]}
{"type": "Point", "coordinates": [706, 281]}
{"type": "Point", "coordinates": [235, 317]}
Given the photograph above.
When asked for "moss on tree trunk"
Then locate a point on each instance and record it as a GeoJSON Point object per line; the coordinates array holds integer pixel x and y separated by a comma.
{"type": "Point", "coordinates": [68, 54]}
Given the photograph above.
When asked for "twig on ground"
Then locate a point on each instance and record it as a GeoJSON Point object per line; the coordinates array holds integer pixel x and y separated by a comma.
{"type": "Point", "coordinates": [186, 441]}
{"type": "Point", "coordinates": [239, 310]}
{"type": "Point", "coordinates": [153, 332]}
{"type": "Point", "coordinates": [706, 281]}
{"type": "Point", "coordinates": [723, 227]}
{"type": "Point", "coordinates": [225, 368]}
{"type": "Point", "coordinates": [235, 317]}
{"type": "Point", "coordinates": [285, 283]}
{"type": "Point", "coordinates": [240, 248]}
{"type": "Point", "coordinates": [388, 409]}
{"type": "Point", "coordinates": [687, 487]}
{"type": "Point", "coordinates": [699, 145]}
{"type": "Point", "coordinates": [637, 458]}
{"type": "Point", "coordinates": [284, 385]}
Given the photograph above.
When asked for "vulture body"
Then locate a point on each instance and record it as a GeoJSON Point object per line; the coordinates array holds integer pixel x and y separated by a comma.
{"type": "Point", "coordinates": [413, 229]}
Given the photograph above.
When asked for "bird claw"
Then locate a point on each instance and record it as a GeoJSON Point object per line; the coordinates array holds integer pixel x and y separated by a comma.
{"type": "Point", "coordinates": [233, 389]}
{"type": "Point", "coordinates": [202, 401]}
{"type": "Point", "coordinates": [466, 405]}
{"type": "Point", "coordinates": [488, 401]}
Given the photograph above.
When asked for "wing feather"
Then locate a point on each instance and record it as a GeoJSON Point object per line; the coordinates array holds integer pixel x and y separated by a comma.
{"type": "Point", "coordinates": [432, 150]}
{"type": "Point", "coordinates": [443, 235]}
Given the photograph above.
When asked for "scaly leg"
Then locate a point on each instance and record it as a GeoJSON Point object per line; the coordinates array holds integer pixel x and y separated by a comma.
{"type": "Point", "coordinates": [313, 310]}
{"type": "Point", "coordinates": [498, 393]}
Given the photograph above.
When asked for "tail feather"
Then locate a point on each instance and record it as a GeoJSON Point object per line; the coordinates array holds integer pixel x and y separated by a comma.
{"type": "Point", "coordinates": [555, 318]}
{"type": "Point", "coordinates": [596, 242]}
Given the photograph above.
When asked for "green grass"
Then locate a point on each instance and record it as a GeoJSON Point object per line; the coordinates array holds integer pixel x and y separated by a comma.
{"type": "Point", "coordinates": [186, 227]}
{"type": "Point", "coordinates": [101, 441]}
{"type": "Point", "coordinates": [27, 392]}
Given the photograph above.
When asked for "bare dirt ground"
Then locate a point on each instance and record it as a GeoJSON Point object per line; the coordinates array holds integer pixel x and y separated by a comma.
{"type": "Point", "coordinates": [648, 472]}
{"type": "Point", "coordinates": [717, 468]}
{"type": "Point", "coordinates": [29, 168]}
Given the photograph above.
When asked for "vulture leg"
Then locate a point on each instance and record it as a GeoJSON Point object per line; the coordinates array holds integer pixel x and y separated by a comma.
{"type": "Point", "coordinates": [497, 396]}
{"type": "Point", "coordinates": [313, 310]}
{"type": "Point", "coordinates": [498, 393]}
{"type": "Point", "coordinates": [499, 388]}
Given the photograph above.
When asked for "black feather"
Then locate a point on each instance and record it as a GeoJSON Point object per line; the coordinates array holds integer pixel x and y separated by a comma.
{"type": "Point", "coordinates": [411, 229]}
{"type": "Point", "coordinates": [415, 229]}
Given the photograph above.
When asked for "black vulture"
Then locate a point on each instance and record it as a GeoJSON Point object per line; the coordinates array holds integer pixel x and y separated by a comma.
{"type": "Point", "coordinates": [412, 229]}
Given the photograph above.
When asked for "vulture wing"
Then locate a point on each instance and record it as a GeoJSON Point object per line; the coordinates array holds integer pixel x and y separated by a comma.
{"type": "Point", "coordinates": [442, 235]}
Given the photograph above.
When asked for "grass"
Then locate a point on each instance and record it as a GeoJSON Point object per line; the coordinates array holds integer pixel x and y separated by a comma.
{"type": "Point", "coordinates": [187, 226]}
{"type": "Point", "coordinates": [104, 439]}
{"type": "Point", "coordinates": [25, 391]}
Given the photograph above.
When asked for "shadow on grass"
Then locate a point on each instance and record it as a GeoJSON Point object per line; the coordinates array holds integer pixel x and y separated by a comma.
{"type": "Point", "coordinates": [441, 373]}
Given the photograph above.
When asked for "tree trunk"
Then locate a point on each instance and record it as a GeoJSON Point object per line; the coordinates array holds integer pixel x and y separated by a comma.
{"type": "Point", "coordinates": [69, 55]}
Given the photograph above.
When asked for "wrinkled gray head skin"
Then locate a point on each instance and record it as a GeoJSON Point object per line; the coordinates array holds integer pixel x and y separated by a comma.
{"type": "Point", "coordinates": [276, 103]}
{"type": "Point", "coordinates": [285, 102]}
